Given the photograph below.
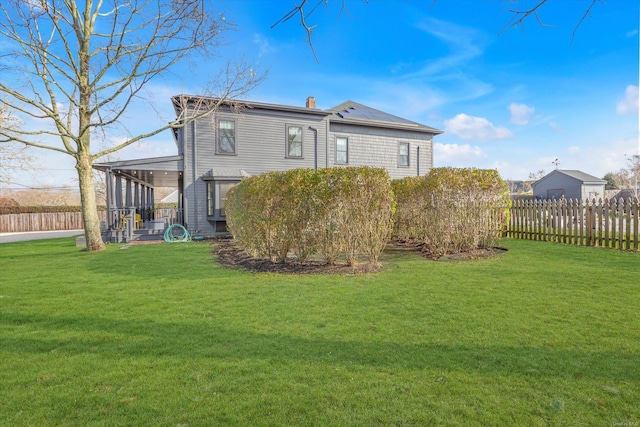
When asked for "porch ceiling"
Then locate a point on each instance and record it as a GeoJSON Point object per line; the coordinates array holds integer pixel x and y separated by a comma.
{"type": "Point", "coordinates": [156, 172]}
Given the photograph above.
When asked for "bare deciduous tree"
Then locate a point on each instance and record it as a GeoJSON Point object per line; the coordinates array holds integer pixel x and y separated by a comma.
{"type": "Point", "coordinates": [75, 67]}
{"type": "Point", "coordinates": [13, 157]}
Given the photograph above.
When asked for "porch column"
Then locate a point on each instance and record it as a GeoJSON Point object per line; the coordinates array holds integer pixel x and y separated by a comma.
{"type": "Point", "coordinates": [118, 191]}
{"type": "Point", "coordinates": [108, 180]}
{"type": "Point", "coordinates": [128, 200]}
{"type": "Point", "coordinates": [150, 203]}
{"type": "Point", "coordinates": [136, 195]}
{"type": "Point", "coordinates": [143, 196]}
{"type": "Point", "coordinates": [143, 201]}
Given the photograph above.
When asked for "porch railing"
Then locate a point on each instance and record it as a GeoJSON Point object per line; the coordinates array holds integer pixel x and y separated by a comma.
{"type": "Point", "coordinates": [119, 225]}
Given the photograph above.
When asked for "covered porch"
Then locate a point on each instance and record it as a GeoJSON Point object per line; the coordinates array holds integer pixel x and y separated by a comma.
{"type": "Point", "coordinates": [130, 185]}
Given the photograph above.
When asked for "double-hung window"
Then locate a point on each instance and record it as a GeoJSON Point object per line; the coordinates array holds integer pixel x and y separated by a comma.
{"type": "Point", "coordinates": [294, 141]}
{"type": "Point", "coordinates": [226, 137]}
{"type": "Point", "coordinates": [342, 150]}
{"type": "Point", "coordinates": [403, 154]}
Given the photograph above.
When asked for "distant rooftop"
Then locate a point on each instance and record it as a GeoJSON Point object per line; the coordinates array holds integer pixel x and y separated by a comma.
{"type": "Point", "coordinates": [584, 177]}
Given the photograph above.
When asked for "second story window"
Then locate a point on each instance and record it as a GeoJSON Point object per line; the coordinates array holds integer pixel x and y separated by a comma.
{"type": "Point", "coordinates": [294, 141]}
{"type": "Point", "coordinates": [226, 137]}
{"type": "Point", "coordinates": [403, 154]}
{"type": "Point", "coordinates": [342, 150]}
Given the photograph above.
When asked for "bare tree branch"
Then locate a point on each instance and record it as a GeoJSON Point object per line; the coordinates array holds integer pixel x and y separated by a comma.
{"type": "Point", "coordinates": [299, 10]}
{"type": "Point", "coordinates": [519, 17]}
{"type": "Point", "coordinates": [73, 68]}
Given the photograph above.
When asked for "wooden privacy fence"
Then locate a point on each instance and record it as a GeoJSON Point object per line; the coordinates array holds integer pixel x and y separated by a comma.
{"type": "Point", "coordinates": [14, 223]}
{"type": "Point", "coordinates": [609, 223]}
{"type": "Point", "coordinates": [52, 221]}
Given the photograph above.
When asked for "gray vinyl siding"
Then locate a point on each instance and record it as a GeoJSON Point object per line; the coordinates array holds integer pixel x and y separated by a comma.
{"type": "Point", "coordinates": [371, 146]}
{"type": "Point", "coordinates": [573, 188]}
{"type": "Point", "coordinates": [261, 144]}
{"type": "Point", "coordinates": [570, 187]}
{"type": "Point", "coordinates": [260, 138]}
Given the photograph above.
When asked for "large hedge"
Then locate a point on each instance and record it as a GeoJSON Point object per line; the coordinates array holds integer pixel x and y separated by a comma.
{"type": "Point", "coordinates": [328, 212]}
{"type": "Point", "coordinates": [452, 210]}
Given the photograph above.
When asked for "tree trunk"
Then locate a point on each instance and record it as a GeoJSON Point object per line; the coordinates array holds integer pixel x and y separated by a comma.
{"type": "Point", "coordinates": [90, 217]}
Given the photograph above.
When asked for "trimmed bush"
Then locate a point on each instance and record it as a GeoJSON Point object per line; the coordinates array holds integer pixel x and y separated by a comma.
{"type": "Point", "coordinates": [452, 209]}
{"type": "Point", "coordinates": [329, 212]}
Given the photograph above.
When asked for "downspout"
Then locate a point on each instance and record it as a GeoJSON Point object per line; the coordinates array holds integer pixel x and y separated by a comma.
{"type": "Point", "coordinates": [193, 174]}
{"type": "Point", "coordinates": [418, 161]}
{"type": "Point", "coordinates": [326, 145]}
{"type": "Point", "coordinates": [315, 147]}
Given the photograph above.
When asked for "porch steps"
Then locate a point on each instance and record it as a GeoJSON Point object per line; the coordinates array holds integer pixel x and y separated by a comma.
{"type": "Point", "coordinates": [146, 235]}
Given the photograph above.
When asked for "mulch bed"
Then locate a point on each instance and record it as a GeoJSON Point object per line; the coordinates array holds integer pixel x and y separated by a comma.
{"type": "Point", "coordinates": [232, 256]}
{"type": "Point", "coordinates": [479, 253]}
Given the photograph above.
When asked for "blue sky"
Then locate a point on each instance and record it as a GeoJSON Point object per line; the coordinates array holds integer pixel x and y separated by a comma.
{"type": "Point", "coordinates": [512, 100]}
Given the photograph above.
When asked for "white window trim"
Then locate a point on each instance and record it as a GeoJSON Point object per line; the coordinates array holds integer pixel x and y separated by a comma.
{"type": "Point", "coordinates": [213, 199]}
{"type": "Point", "coordinates": [408, 165]}
{"type": "Point", "coordinates": [346, 152]}
{"type": "Point", "coordinates": [286, 148]}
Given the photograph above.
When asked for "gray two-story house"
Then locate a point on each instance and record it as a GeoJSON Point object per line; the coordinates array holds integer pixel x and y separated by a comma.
{"type": "Point", "coordinates": [244, 138]}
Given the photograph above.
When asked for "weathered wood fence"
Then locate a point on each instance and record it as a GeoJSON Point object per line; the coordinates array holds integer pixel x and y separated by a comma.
{"type": "Point", "coordinates": [14, 223]}
{"type": "Point", "coordinates": [18, 223]}
{"type": "Point", "coordinates": [604, 223]}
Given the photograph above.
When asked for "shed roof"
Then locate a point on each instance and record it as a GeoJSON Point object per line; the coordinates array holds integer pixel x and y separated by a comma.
{"type": "Point", "coordinates": [583, 177]}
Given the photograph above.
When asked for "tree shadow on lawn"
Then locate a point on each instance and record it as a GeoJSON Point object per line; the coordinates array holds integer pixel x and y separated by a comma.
{"type": "Point", "coordinates": [135, 338]}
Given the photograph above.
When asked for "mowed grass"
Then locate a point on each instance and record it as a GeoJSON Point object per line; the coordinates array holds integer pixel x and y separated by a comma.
{"type": "Point", "coordinates": [543, 334]}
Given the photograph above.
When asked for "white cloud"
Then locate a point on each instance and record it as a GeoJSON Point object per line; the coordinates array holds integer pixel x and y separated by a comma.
{"type": "Point", "coordinates": [521, 113]}
{"type": "Point", "coordinates": [632, 33]}
{"type": "Point", "coordinates": [264, 45]}
{"type": "Point", "coordinates": [629, 104]}
{"type": "Point", "coordinates": [573, 150]}
{"type": "Point", "coordinates": [475, 128]}
{"type": "Point", "coordinates": [556, 126]}
{"type": "Point", "coordinates": [465, 44]}
{"type": "Point", "coordinates": [448, 154]}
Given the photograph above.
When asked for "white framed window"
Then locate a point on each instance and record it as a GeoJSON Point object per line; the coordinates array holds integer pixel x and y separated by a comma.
{"type": "Point", "coordinates": [342, 150]}
{"type": "Point", "coordinates": [226, 137]}
{"type": "Point", "coordinates": [403, 154]}
{"type": "Point", "coordinates": [294, 141]}
{"type": "Point", "coordinates": [217, 197]}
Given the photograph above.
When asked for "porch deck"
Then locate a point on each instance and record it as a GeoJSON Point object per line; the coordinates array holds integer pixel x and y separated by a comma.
{"type": "Point", "coordinates": [126, 225]}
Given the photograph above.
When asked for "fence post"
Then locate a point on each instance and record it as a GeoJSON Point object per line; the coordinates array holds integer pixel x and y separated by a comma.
{"type": "Point", "coordinates": [620, 223]}
{"type": "Point", "coordinates": [635, 213]}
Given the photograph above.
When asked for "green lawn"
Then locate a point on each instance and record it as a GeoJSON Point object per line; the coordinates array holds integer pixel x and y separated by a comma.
{"type": "Point", "coordinates": [544, 334]}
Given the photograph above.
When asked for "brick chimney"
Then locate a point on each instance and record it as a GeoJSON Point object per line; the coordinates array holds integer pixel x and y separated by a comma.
{"type": "Point", "coordinates": [311, 102]}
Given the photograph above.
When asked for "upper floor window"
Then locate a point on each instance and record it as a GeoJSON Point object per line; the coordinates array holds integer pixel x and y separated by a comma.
{"type": "Point", "coordinates": [294, 141]}
{"type": "Point", "coordinates": [342, 150]}
{"type": "Point", "coordinates": [226, 137]}
{"type": "Point", "coordinates": [403, 154]}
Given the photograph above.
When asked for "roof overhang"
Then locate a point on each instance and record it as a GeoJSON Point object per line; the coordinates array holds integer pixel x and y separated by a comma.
{"type": "Point", "coordinates": [387, 125]}
{"type": "Point", "coordinates": [180, 102]}
{"type": "Point", "coordinates": [155, 171]}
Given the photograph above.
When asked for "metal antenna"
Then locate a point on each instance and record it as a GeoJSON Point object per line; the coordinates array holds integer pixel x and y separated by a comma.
{"type": "Point", "coordinates": [556, 162]}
